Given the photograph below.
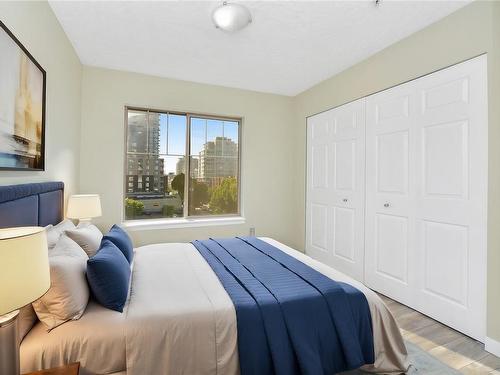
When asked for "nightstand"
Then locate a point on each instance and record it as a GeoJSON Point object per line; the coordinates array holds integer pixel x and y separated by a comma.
{"type": "Point", "coordinates": [71, 369]}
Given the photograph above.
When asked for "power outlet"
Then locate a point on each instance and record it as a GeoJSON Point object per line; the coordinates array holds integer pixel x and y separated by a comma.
{"type": "Point", "coordinates": [252, 232]}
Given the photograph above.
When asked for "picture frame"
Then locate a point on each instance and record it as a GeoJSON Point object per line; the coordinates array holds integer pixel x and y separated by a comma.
{"type": "Point", "coordinates": [22, 106]}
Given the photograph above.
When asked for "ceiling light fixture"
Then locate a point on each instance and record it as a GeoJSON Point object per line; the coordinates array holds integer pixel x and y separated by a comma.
{"type": "Point", "coordinates": [231, 17]}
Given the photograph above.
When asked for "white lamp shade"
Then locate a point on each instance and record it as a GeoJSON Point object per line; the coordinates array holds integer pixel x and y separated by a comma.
{"type": "Point", "coordinates": [84, 206]}
{"type": "Point", "coordinates": [24, 267]}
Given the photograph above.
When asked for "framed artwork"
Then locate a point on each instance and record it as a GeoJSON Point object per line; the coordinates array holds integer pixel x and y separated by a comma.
{"type": "Point", "coordinates": [22, 106]}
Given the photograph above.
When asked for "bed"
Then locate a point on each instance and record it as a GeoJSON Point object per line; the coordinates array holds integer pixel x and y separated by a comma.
{"type": "Point", "coordinates": [177, 310]}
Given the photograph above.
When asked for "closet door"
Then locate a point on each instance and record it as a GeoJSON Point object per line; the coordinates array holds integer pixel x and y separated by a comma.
{"type": "Point", "coordinates": [390, 192]}
{"type": "Point", "coordinates": [451, 202]}
{"type": "Point", "coordinates": [319, 185]}
{"type": "Point", "coordinates": [335, 188]}
{"type": "Point", "coordinates": [426, 197]}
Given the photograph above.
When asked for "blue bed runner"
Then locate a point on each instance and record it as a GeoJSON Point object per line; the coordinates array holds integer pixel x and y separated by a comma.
{"type": "Point", "coordinates": [291, 318]}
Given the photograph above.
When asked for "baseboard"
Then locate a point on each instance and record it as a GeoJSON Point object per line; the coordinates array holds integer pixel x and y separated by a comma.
{"type": "Point", "coordinates": [492, 346]}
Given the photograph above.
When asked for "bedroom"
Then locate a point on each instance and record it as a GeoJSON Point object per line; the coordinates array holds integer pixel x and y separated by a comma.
{"type": "Point", "coordinates": [258, 91]}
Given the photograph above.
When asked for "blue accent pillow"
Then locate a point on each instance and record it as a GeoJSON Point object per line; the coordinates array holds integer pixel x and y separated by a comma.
{"type": "Point", "coordinates": [122, 241]}
{"type": "Point", "coordinates": [108, 274]}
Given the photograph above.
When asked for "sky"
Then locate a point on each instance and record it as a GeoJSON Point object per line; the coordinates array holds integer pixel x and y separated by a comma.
{"type": "Point", "coordinates": [173, 128]}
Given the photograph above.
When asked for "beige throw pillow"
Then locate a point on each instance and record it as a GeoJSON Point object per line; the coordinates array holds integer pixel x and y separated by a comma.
{"type": "Point", "coordinates": [68, 294]}
{"type": "Point", "coordinates": [54, 231]}
{"type": "Point", "coordinates": [88, 236]}
{"type": "Point", "coordinates": [66, 246]}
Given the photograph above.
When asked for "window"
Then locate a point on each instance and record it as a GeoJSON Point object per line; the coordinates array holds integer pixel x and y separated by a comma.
{"type": "Point", "coordinates": [181, 165]}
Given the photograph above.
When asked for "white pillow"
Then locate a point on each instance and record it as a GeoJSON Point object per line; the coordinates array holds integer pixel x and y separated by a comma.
{"type": "Point", "coordinates": [67, 247]}
{"type": "Point", "coordinates": [27, 319]}
{"type": "Point", "coordinates": [88, 236]}
{"type": "Point", "coordinates": [68, 294]}
{"type": "Point", "coordinates": [54, 231]}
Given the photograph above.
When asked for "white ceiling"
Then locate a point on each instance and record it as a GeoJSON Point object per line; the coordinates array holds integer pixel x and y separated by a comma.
{"type": "Point", "coordinates": [289, 47]}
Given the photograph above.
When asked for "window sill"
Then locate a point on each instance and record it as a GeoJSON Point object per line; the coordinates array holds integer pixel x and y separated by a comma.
{"type": "Point", "coordinates": [152, 224]}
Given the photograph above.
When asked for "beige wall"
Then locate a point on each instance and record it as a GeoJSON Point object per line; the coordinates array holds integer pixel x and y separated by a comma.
{"type": "Point", "coordinates": [471, 31]}
{"type": "Point", "coordinates": [267, 148]}
{"type": "Point", "coordinates": [34, 24]}
{"type": "Point", "coordinates": [494, 182]}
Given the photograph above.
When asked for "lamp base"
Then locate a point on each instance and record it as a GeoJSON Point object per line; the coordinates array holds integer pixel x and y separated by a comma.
{"type": "Point", "coordinates": [9, 344]}
{"type": "Point", "coordinates": [84, 222]}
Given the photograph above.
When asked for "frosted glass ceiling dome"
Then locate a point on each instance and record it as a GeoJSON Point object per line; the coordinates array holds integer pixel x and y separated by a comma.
{"type": "Point", "coordinates": [231, 17]}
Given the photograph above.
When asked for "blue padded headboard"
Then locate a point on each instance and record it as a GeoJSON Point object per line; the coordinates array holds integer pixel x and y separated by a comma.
{"type": "Point", "coordinates": [37, 204]}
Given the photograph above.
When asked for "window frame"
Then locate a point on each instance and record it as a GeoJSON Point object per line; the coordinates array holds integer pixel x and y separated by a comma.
{"type": "Point", "coordinates": [187, 173]}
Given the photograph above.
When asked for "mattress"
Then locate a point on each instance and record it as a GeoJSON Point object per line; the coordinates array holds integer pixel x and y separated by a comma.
{"type": "Point", "coordinates": [177, 311]}
{"type": "Point", "coordinates": [96, 340]}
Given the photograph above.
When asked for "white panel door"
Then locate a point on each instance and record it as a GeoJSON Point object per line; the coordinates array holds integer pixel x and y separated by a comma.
{"type": "Point", "coordinates": [335, 188]}
{"type": "Point", "coordinates": [427, 195]}
{"type": "Point", "coordinates": [318, 208]}
{"type": "Point", "coordinates": [451, 205]}
{"type": "Point", "coordinates": [390, 192]}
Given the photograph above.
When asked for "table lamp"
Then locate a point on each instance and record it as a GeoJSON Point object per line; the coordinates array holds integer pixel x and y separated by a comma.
{"type": "Point", "coordinates": [24, 277]}
{"type": "Point", "coordinates": [84, 207]}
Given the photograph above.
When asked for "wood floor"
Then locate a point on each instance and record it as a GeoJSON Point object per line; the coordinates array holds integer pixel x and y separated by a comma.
{"type": "Point", "coordinates": [449, 346]}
